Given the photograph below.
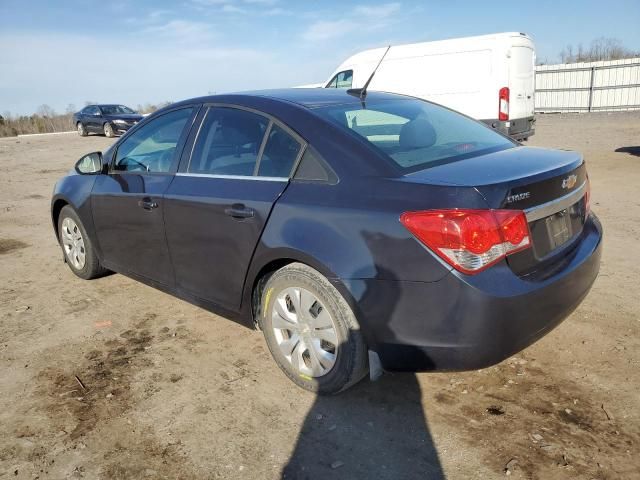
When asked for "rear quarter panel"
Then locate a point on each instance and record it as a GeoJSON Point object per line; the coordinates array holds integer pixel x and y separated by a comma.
{"type": "Point", "coordinates": [352, 230]}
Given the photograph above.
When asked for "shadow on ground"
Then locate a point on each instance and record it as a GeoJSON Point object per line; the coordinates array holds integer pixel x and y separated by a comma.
{"type": "Point", "coordinates": [373, 430]}
{"type": "Point", "coordinates": [635, 151]}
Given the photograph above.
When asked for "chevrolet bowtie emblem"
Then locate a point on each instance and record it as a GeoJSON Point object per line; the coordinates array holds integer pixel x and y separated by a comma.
{"type": "Point", "coordinates": [569, 182]}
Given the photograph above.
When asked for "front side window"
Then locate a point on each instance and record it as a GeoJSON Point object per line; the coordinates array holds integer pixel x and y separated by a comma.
{"type": "Point", "coordinates": [229, 142]}
{"type": "Point", "coordinates": [341, 80]}
{"type": "Point", "coordinates": [416, 134]}
{"type": "Point", "coordinates": [152, 147]}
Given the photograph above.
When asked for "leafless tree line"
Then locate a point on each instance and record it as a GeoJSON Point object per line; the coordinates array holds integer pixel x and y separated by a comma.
{"type": "Point", "coordinates": [47, 120]}
{"type": "Point", "coordinates": [601, 49]}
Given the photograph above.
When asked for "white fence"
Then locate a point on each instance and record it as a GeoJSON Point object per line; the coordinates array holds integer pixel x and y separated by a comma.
{"type": "Point", "coordinates": [585, 87]}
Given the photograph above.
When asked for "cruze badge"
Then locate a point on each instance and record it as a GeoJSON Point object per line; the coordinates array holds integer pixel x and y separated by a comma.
{"type": "Point", "coordinates": [569, 182]}
{"type": "Point", "coordinates": [518, 196]}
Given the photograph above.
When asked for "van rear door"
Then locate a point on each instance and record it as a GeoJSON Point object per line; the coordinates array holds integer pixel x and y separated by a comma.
{"type": "Point", "coordinates": [521, 82]}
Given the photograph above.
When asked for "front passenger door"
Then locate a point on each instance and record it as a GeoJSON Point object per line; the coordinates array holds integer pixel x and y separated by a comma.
{"type": "Point", "coordinates": [128, 203]}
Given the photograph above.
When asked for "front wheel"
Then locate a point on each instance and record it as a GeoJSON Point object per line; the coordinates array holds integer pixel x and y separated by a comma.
{"type": "Point", "coordinates": [76, 245]}
{"type": "Point", "coordinates": [311, 331]}
{"type": "Point", "coordinates": [108, 130]}
{"type": "Point", "coordinates": [81, 130]}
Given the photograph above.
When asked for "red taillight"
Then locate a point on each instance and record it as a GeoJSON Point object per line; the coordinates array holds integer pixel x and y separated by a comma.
{"type": "Point", "coordinates": [503, 104]}
{"type": "Point", "coordinates": [470, 240]}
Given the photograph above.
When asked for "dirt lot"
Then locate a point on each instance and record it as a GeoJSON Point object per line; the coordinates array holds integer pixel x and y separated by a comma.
{"type": "Point", "coordinates": [173, 391]}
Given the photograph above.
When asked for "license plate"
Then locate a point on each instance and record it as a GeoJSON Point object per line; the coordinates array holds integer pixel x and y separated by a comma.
{"type": "Point", "coordinates": [559, 228]}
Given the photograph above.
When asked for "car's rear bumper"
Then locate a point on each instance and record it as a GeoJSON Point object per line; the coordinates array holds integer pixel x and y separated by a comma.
{"type": "Point", "coordinates": [467, 322]}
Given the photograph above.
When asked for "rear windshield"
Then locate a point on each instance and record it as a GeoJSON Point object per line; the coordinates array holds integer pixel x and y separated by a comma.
{"type": "Point", "coordinates": [416, 134]}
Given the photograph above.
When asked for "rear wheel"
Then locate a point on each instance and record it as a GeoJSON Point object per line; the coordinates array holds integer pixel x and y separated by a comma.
{"type": "Point", "coordinates": [311, 332]}
{"type": "Point", "coordinates": [81, 130]}
{"type": "Point", "coordinates": [108, 130]}
{"type": "Point", "coordinates": [76, 245]}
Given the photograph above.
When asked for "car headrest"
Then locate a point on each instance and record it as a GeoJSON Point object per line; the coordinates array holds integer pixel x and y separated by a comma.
{"type": "Point", "coordinates": [238, 132]}
{"type": "Point", "coordinates": [417, 133]}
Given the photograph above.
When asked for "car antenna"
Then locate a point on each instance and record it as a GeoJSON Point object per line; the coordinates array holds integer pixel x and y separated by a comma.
{"type": "Point", "coordinates": [361, 93]}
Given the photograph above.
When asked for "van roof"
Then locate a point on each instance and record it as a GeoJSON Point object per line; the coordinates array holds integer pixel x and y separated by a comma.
{"type": "Point", "coordinates": [436, 46]}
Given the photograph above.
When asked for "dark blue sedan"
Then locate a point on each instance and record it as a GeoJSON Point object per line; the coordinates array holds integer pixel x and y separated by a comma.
{"type": "Point", "coordinates": [111, 120]}
{"type": "Point", "coordinates": [359, 233]}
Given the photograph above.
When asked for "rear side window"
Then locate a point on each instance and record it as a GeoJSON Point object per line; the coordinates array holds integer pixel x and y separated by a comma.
{"type": "Point", "coordinates": [313, 168]}
{"type": "Point", "coordinates": [280, 154]}
{"type": "Point", "coordinates": [416, 134]}
{"type": "Point", "coordinates": [229, 142]}
{"type": "Point", "coordinates": [341, 80]}
{"type": "Point", "coordinates": [152, 147]}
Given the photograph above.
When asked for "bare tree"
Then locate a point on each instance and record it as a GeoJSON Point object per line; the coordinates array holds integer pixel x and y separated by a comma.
{"type": "Point", "coordinates": [45, 111]}
{"type": "Point", "coordinates": [602, 48]}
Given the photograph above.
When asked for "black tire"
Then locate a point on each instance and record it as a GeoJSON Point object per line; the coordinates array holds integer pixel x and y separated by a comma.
{"type": "Point", "coordinates": [82, 130]}
{"type": "Point", "coordinates": [108, 130]}
{"type": "Point", "coordinates": [351, 363]}
{"type": "Point", "coordinates": [91, 268]}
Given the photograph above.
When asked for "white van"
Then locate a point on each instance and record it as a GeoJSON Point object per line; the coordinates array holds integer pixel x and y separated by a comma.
{"type": "Point", "coordinates": [489, 77]}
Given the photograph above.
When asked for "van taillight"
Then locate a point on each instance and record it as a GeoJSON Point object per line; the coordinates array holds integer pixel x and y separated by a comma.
{"type": "Point", "coordinates": [503, 104]}
{"type": "Point", "coordinates": [470, 240]}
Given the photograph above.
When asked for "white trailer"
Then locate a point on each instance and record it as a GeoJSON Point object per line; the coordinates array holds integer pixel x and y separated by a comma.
{"type": "Point", "coordinates": [489, 77]}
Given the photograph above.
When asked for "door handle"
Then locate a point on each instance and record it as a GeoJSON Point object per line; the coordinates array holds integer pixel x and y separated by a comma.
{"type": "Point", "coordinates": [147, 204]}
{"type": "Point", "coordinates": [238, 210]}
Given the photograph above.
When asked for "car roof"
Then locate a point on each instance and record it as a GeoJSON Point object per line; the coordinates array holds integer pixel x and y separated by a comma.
{"type": "Point", "coordinates": [306, 97]}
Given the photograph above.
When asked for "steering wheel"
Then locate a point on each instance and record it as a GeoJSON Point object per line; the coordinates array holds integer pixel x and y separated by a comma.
{"type": "Point", "coordinates": [137, 163]}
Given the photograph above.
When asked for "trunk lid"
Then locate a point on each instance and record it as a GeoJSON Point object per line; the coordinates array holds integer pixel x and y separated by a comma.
{"type": "Point", "coordinates": [549, 185]}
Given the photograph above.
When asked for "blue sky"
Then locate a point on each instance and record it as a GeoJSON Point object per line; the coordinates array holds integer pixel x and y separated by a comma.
{"type": "Point", "coordinates": [134, 52]}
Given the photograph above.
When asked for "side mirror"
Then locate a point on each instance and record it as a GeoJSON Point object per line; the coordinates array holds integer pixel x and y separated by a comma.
{"type": "Point", "coordinates": [90, 164]}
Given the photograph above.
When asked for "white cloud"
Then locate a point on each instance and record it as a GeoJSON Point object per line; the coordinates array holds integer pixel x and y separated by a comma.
{"type": "Point", "coordinates": [378, 11]}
{"type": "Point", "coordinates": [229, 8]}
{"type": "Point", "coordinates": [362, 18]}
{"type": "Point", "coordinates": [234, 6]}
{"type": "Point", "coordinates": [262, 2]}
{"type": "Point", "coordinates": [325, 30]}
{"type": "Point", "coordinates": [182, 30]}
{"type": "Point", "coordinates": [277, 11]}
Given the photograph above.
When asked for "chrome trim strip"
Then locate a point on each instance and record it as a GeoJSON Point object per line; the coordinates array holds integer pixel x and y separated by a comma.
{"type": "Point", "coordinates": [233, 177]}
{"type": "Point", "coordinates": [555, 206]}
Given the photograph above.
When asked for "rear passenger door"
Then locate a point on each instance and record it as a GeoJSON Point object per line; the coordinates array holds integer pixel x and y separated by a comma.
{"type": "Point", "coordinates": [221, 197]}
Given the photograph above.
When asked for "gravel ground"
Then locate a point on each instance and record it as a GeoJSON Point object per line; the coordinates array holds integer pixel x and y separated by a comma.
{"type": "Point", "coordinates": [113, 379]}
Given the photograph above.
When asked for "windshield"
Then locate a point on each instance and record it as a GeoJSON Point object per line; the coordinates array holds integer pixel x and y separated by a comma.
{"type": "Point", "coordinates": [416, 134]}
{"type": "Point", "coordinates": [115, 109]}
